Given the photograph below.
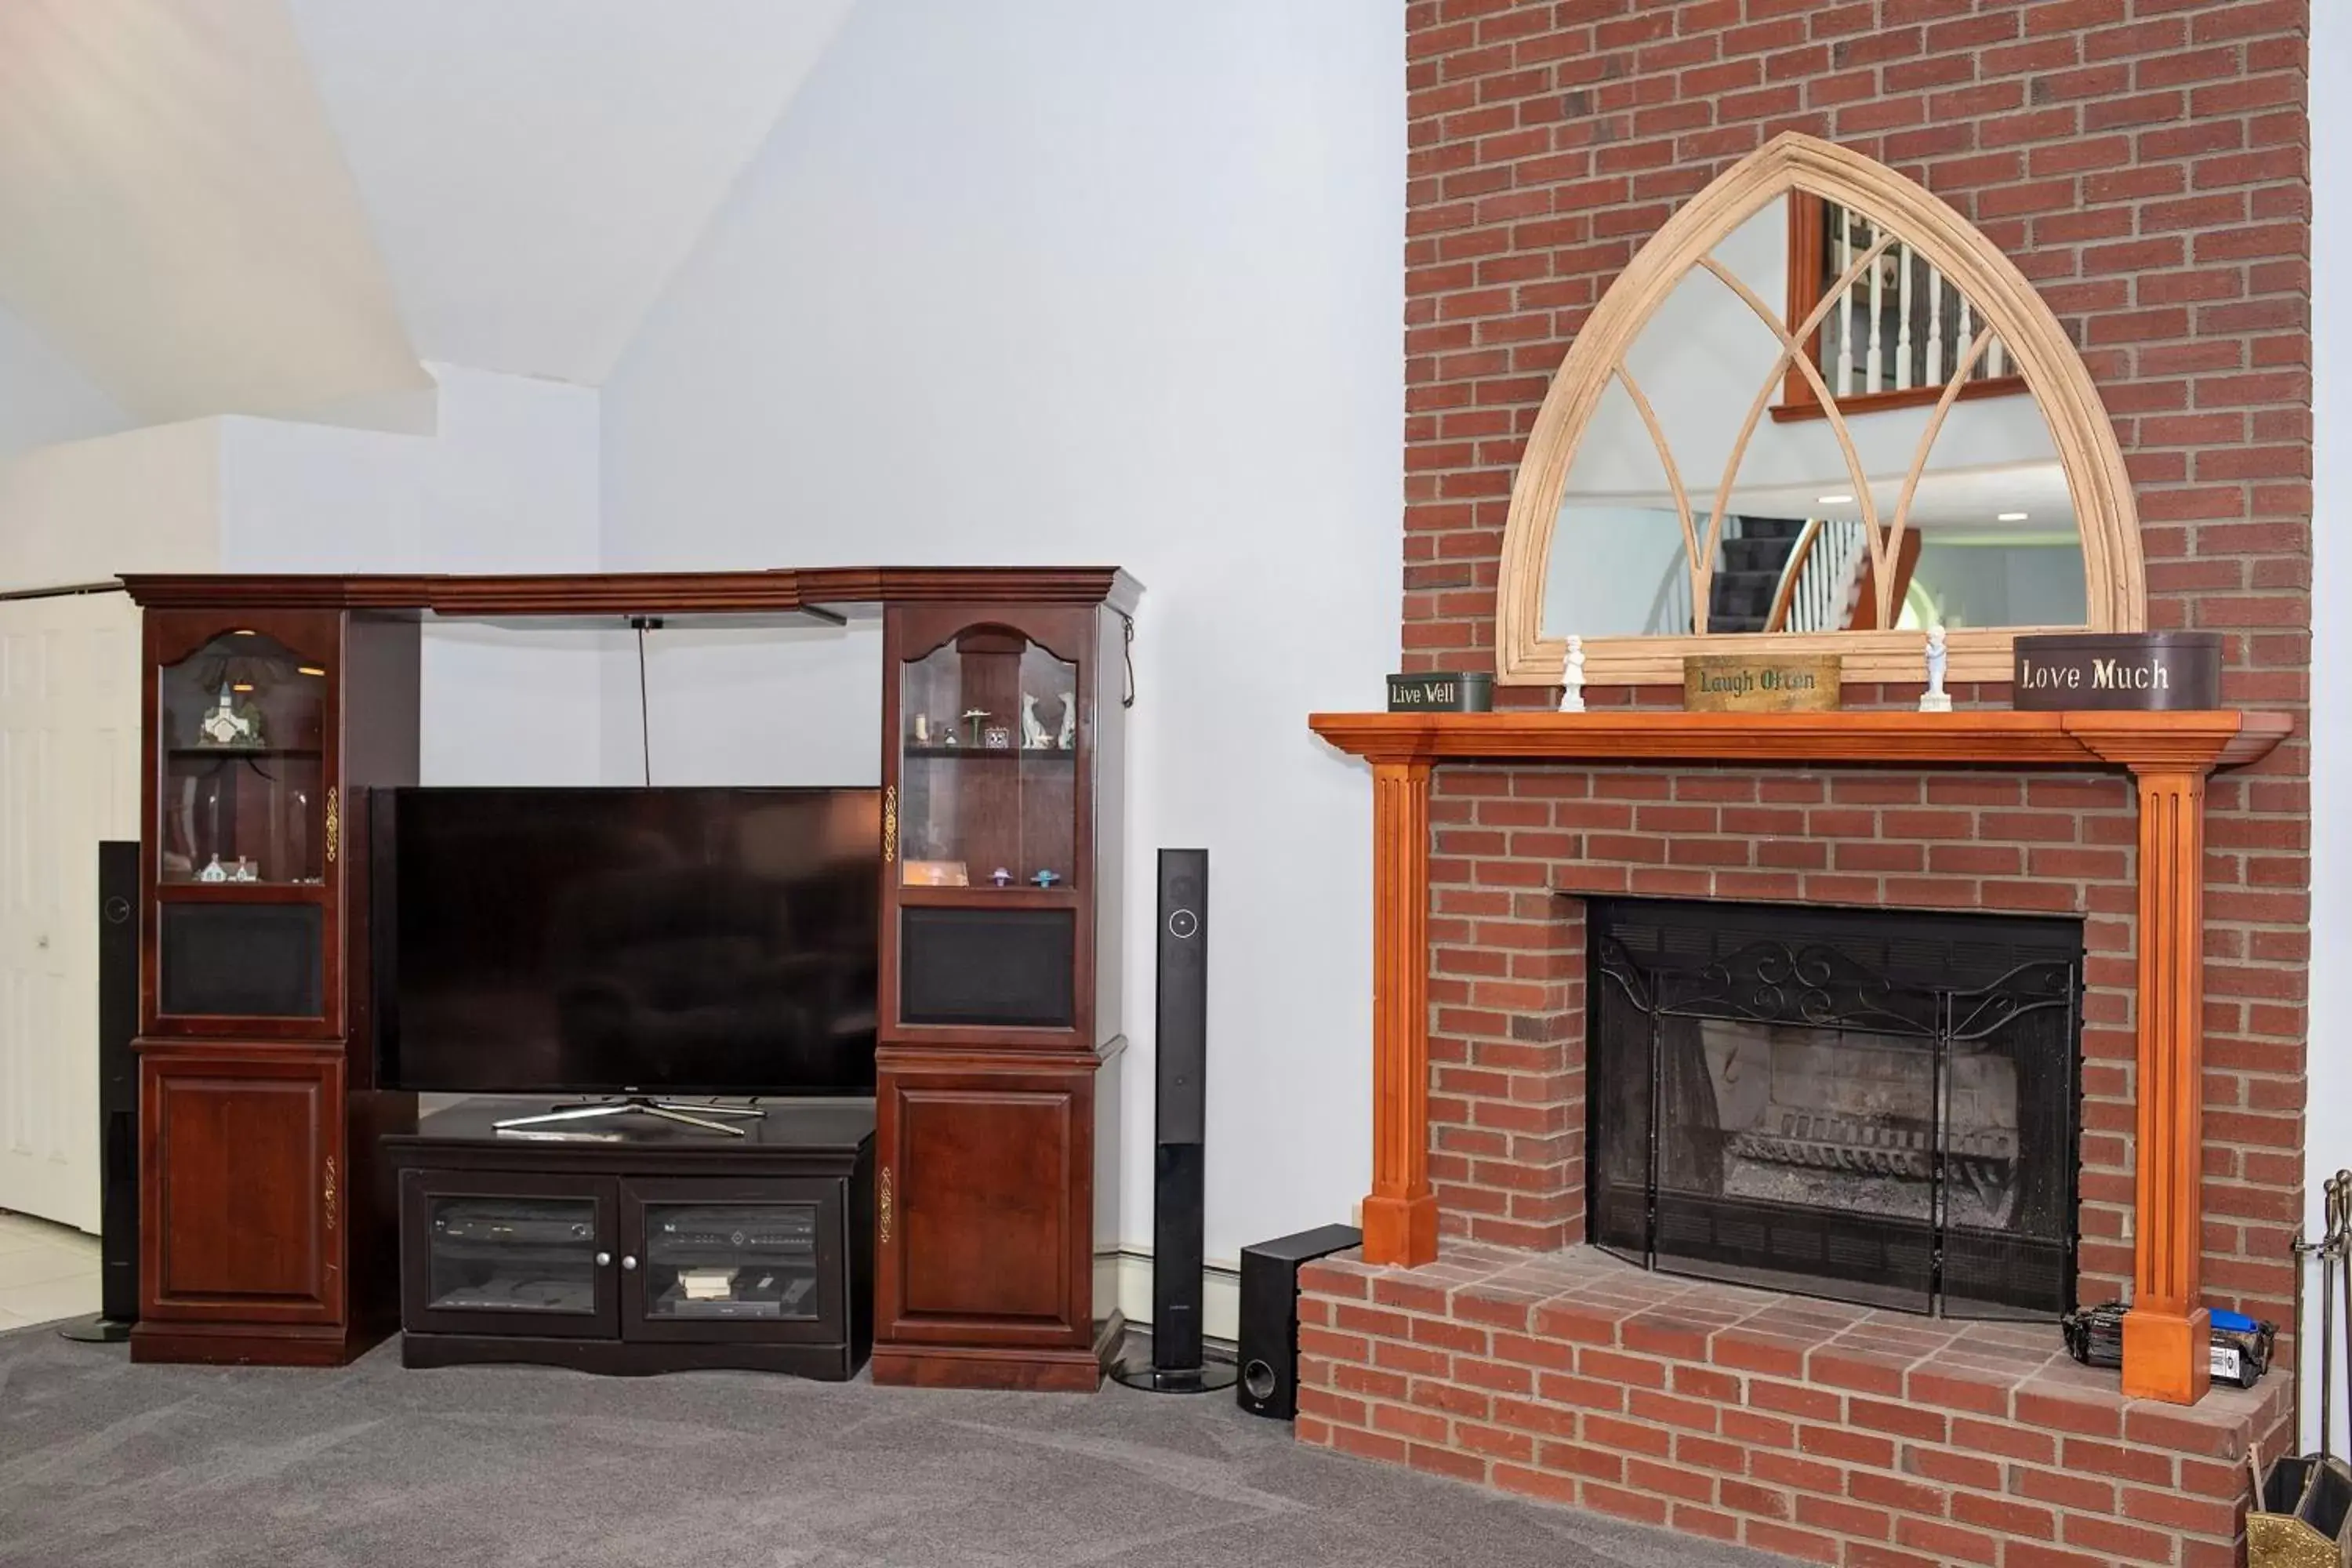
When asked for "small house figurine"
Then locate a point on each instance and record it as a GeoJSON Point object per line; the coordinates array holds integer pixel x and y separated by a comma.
{"type": "Point", "coordinates": [229, 725]}
{"type": "Point", "coordinates": [1571, 681]}
{"type": "Point", "coordinates": [1935, 699]}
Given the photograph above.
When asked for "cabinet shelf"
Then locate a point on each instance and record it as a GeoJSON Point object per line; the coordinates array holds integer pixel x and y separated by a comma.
{"type": "Point", "coordinates": [985, 754]}
{"type": "Point", "coordinates": [219, 754]}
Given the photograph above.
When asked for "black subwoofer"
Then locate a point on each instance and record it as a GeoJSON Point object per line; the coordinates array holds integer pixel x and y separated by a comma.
{"type": "Point", "coordinates": [1269, 1325]}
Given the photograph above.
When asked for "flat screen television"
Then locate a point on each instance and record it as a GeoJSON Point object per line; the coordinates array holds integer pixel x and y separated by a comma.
{"type": "Point", "coordinates": [715, 942]}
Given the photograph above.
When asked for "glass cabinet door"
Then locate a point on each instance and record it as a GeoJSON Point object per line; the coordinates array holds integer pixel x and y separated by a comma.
{"type": "Point", "coordinates": [242, 793]}
{"type": "Point", "coordinates": [705, 1255]}
{"type": "Point", "coordinates": [988, 746]}
{"type": "Point", "coordinates": [507, 1255]}
{"type": "Point", "coordinates": [755, 1261]}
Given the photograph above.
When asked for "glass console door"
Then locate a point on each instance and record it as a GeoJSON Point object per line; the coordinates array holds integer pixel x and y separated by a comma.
{"type": "Point", "coordinates": [246, 845]}
{"type": "Point", "coordinates": [987, 827]}
{"type": "Point", "coordinates": [497, 1254]}
{"type": "Point", "coordinates": [713, 1259]}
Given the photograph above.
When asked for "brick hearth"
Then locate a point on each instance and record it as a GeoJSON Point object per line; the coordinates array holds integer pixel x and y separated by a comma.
{"type": "Point", "coordinates": [1817, 1430]}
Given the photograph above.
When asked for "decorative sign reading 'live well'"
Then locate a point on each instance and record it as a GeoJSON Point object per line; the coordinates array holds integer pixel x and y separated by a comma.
{"type": "Point", "coordinates": [1441, 691]}
{"type": "Point", "coordinates": [2149, 671]}
{"type": "Point", "coordinates": [1759, 683]}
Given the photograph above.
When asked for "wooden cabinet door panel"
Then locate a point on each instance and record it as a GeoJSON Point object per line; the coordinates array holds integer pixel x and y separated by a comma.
{"type": "Point", "coordinates": [242, 1174]}
{"type": "Point", "coordinates": [985, 1221]}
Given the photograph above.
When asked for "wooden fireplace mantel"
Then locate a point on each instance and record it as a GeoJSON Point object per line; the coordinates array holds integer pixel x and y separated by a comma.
{"type": "Point", "coordinates": [2170, 755]}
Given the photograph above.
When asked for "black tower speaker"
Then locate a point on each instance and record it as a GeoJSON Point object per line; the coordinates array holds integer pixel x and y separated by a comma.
{"type": "Point", "coordinates": [1181, 1036]}
{"type": "Point", "coordinates": [1269, 1344]}
{"type": "Point", "coordinates": [118, 1096]}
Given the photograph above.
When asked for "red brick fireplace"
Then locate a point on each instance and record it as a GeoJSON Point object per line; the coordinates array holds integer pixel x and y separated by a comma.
{"type": "Point", "coordinates": [1475, 1336]}
{"type": "Point", "coordinates": [2145, 164]}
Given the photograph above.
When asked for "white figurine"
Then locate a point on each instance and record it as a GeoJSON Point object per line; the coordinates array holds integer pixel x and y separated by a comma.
{"type": "Point", "coordinates": [1032, 729]}
{"type": "Point", "coordinates": [1935, 699]}
{"type": "Point", "coordinates": [1571, 685]}
{"type": "Point", "coordinates": [1068, 739]}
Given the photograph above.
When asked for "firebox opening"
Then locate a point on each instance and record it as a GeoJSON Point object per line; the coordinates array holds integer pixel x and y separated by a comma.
{"type": "Point", "coordinates": [1878, 1106]}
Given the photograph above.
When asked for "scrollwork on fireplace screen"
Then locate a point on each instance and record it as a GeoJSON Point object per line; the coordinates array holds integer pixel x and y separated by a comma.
{"type": "Point", "coordinates": [1882, 1110]}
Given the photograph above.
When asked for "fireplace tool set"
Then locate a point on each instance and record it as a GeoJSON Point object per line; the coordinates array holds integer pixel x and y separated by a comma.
{"type": "Point", "coordinates": [2301, 1516]}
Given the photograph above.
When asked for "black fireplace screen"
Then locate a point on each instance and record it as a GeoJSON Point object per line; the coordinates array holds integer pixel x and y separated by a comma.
{"type": "Point", "coordinates": [1877, 1105]}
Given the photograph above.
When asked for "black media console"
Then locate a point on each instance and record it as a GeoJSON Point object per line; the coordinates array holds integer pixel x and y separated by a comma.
{"type": "Point", "coordinates": [637, 1245]}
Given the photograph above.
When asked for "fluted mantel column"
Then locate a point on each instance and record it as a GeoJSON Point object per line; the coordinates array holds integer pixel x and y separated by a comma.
{"type": "Point", "coordinates": [1401, 1212]}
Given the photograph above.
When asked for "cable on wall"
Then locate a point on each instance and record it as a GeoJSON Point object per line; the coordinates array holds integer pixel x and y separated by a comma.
{"type": "Point", "coordinates": [641, 625]}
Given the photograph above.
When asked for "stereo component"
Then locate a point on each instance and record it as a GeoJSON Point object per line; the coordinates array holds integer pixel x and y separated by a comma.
{"type": "Point", "coordinates": [1180, 1047]}
{"type": "Point", "coordinates": [1269, 1325]}
{"type": "Point", "coordinates": [118, 1096]}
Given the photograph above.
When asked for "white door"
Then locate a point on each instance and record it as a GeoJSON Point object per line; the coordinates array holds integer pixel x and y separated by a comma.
{"type": "Point", "coordinates": [68, 778]}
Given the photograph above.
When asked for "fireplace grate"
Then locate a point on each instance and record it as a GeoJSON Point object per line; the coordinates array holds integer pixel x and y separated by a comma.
{"type": "Point", "coordinates": [1877, 1106]}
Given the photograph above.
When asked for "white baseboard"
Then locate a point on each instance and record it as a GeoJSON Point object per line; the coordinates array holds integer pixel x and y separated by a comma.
{"type": "Point", "coordinates": [1124, 1278]}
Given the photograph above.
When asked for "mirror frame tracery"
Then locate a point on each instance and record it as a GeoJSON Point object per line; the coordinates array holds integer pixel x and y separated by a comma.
{"type": "Point", "coordinates": [2009, 308]}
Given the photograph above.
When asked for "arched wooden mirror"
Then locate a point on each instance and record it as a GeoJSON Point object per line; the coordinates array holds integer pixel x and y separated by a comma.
{"type": "Point", "coordinates": [1820, 408]}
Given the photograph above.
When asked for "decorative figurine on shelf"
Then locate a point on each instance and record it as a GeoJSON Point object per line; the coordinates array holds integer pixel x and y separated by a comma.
{"type": "Point", "coordinates": [973, 719]}
{"type": "Point", "coordinates": [996, 738]}
{"type": "Point", "coordinates": [1046, 878]}
{"type": "Point", "coordinates": [228, 724]}
{"type": "Point", "coordinates": [247, 871]}
{"type": "Point", "coordinates": [214, 871]}
{"type": "Point", "coordinates": [1032, 729]}
{"type": "Point", "coordinates": [1571, 679]}
{"type": "Point", "coordinates": [1935, 699]}
{"type": "Point", "coordinates": [923, 728]}
{"type": "Point", "coordinates": [1068, 738]}
{"type": "Point", "coordinates": [1001, 877]}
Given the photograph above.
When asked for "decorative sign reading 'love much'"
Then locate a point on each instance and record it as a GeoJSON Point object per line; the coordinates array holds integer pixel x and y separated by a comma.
{"type": "Point", "coordinates": [2145, 672]}
{"type": "Point", "coordinates": [1759, 683]}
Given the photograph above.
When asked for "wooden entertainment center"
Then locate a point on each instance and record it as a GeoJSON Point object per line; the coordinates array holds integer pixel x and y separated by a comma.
{"type": "Point", "coordinates": [270, 1226]}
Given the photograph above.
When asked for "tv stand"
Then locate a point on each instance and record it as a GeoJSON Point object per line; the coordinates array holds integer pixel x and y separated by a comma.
{"type": "Point", "coordinates": [652, 1249]}
{"type": "Point", "coordinates": [686, 1114]}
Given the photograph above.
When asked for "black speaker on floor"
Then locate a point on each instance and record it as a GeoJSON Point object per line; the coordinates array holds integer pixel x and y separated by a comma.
{"type": "Point", "coordinates": [118, 1096]}
{"type": "Point", "coordinates": [1269, 1329]}
{"type": "Point", "coordinates": [1180, 1042]}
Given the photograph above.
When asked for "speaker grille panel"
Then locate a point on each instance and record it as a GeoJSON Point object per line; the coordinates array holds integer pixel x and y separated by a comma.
{"type": "Point", "coordinates": [1006, 968]}
{"type": "Point", "coordinates": [242, 960]}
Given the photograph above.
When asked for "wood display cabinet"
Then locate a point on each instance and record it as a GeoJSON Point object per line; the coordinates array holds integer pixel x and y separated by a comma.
{"type": "Point", "coordinates": [264, 1217]}
{"type": "Point", "coordinates": [1001, 1004]}
{"type": "Point", "coordinates": [276, 705]}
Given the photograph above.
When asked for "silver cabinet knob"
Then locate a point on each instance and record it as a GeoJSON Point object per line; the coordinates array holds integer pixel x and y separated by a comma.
{"type": "Point", "coordinates": [628, 1264]}
{"type": "Point", "coordinates": [604, 1259]}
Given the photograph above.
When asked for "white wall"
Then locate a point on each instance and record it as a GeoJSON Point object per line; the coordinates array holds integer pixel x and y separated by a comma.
{"type": "Point", "coordinates": [1075, 283]}
{"type": "Point", "coordinates": [81, 511]}
{"type": "Point", "coordinates": [2328, 1129]}
{"type": "Point", "coordinates": [508, 483]}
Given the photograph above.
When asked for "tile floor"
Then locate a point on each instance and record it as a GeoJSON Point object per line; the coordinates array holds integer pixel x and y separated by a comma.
{"type": "Point", "coordinates": [46, 1271]}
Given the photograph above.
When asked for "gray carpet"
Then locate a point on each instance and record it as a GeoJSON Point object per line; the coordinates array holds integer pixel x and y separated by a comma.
{"type": "Point", "coordinates": [105, 1465]}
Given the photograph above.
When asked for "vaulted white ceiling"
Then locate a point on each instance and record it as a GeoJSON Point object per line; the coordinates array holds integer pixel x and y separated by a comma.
{"type": "Point", "coordinates": [174, 215]}
{"type": "Point", "coordinates": [282, 206]}
{"type": "Point", "coordinates": [535, 170]}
